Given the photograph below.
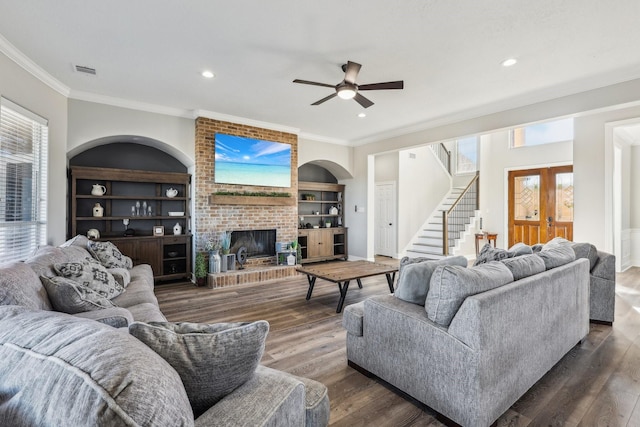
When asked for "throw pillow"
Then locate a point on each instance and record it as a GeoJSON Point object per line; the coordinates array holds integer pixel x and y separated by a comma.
{"type": "Point", "coordinates": [451, 284]}
{"type": "Point", "coordinates": [108, 254]}
{"type": "Point", "coordinates": [557, 253]}
{"type": "Point", "coordinates": [71, 297]}
{"type": "Point", "coordinates": [520, 249]}
{"type": "Point", "coordinates": [92, 275]}
{"type": "Point", "coordinates": [524, 266]}
{"type": "Point", "coordinates": [489, 253]}
{"type": "Point", "coordinates": [212, 360]}
{"type": "Point", "coordinates": [413, 284]}
{"type": "Point", "coordinates": [586, 250]}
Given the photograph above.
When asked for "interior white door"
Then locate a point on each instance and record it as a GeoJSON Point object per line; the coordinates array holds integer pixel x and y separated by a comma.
{"type": "Point", "coordinates": [385, 219]}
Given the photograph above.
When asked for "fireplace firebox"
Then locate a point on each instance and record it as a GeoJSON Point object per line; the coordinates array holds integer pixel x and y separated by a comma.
{"type": "Point", "coordinates": [259, 243]}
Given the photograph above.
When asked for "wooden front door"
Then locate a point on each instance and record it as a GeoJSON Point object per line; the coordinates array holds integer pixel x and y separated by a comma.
{"type": "Point", "coordinates": [540, 205]}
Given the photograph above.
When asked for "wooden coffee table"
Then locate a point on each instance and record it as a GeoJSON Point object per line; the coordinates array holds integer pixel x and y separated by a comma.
{"type": "Point", "coordinates": [343, 272]}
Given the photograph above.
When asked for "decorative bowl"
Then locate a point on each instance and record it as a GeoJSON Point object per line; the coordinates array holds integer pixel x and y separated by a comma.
{"type": "Point", "coordinates": [172, 254]}
{"type": "Point", "coordinates": [176, 213]}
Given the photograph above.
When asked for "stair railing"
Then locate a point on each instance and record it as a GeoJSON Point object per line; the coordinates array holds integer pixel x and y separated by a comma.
{"type": "Point", "coordinates": [444, 155]}
{"type": "Point", "coordinates": [457, 216]}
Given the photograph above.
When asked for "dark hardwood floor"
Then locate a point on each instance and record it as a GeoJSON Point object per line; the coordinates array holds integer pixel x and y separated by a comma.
{"type": "Point", "coordinates": [595, 384]}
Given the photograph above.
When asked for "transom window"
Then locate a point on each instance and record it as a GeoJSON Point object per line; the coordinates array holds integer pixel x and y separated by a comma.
{"type": "Point", "coordinates": [542, 133]}
{"type": "Point", "coordinates": [23, 181]}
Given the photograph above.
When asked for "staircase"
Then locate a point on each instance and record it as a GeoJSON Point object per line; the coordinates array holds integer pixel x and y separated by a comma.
{"type": "Point", "coordinates": [429, 241]}
{"type": "Point", "coordinates": [457, 212]}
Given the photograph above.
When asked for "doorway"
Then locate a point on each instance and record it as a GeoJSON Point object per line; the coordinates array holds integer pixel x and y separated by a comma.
{"type": "Point", "coordinates": [385, 219]}
{"type": "Point", "coordinates": [540, 204]}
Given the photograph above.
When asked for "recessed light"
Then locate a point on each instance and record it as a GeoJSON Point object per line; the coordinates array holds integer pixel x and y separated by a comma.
{"type": "Point", "coordinates": [509, 62]}
{"type": "Point", "coordinates": [208, 74]}
{"type": "Point", "coordinates": [362, 115]}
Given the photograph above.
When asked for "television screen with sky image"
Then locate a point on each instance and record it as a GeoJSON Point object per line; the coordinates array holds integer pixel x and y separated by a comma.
{"type": "Point", "coordinates": [248, 161]}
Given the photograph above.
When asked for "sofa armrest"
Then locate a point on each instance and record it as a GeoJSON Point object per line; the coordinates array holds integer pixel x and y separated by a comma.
{"type": "Point", "coordinates": [269, 398]}
{"type": "Point", "coordinates": [117, 317]}
{"type": "Point", "coordinates": [605, 267]}
{"type": "Point", "coordinates": [352, 318]}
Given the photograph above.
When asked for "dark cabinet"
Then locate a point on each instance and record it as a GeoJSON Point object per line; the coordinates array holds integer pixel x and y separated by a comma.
{"type": "Point", "coordinates": [149, 203]}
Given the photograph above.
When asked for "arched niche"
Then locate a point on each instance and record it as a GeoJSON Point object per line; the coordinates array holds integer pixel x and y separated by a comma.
{"type": "Point", "coordinates": [322, 171]}
{"type": "Point", "coordinates": [130, 152]}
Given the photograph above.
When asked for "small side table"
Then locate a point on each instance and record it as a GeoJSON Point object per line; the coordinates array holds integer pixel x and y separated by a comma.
{"type": "Point", "coordinates": [491, 237]}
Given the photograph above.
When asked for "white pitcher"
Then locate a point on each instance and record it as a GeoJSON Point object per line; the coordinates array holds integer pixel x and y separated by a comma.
{"type": "Point", "coordinates": [98, 190]}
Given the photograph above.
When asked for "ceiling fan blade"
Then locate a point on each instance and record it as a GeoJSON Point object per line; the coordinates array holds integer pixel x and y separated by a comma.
{"type": "Point", "coordinates": [307, 82]}
{"type": "Point", "coordinates": [386, 85]}
{"type": "Point", "coordinates": [351, 72]}
{"type": "Point", "coordinates": [326, 98]}
{"type": "Point", "coordinates": [363, 101]}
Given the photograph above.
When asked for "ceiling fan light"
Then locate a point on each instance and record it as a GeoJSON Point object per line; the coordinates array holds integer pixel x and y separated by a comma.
{"type": "Point", "coordinates": [346, 92]}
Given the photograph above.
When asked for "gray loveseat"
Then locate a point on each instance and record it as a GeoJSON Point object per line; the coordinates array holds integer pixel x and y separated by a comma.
{"type": "Point", "coordinates": [87, 369]}
{"type": "Point", "coordinates": [480, 337]}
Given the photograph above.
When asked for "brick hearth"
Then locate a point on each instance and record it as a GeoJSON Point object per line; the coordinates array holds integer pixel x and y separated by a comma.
{"type": "Point", "coordinates": [250, 275]}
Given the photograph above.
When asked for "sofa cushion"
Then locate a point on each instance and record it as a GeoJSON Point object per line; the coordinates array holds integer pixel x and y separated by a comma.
{"type": "Point", "coordinates": [92, 275]}
{"type": "Point", "coordinates": [212, 360]}
{"type": "Point", "coordinates": [78, 240]}
{"type": "Point", "coordinates": [524, 266]}
{"type": "Point", "coordinates": [556, 253]}
{"type": "Point", "coordinates": [413, 284]}
{"type": "Point", "coordinates": [72, 297]}
{"type": "Point", "coordinates": [108, 254]}
{"type": "Point", "coordinates": [43, 259]}
{"type": "Point", "coordinates": [59, 370]}
{"type": "Point", "coordinates": [19, 285]}
{"type": "Point", "coordinates": [488, 253]}
{"type": "Point", "coordinates": [451, 284]}
{"type": "Point", "coordinates": [586, 250]}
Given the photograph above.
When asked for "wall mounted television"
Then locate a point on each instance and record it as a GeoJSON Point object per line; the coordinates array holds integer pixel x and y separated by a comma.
{"type": "Point", "coordinates": [249, 161]}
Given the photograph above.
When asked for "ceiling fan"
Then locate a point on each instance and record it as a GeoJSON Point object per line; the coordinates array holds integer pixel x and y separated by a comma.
{"type": "Point", "coordinates": [348, 89]}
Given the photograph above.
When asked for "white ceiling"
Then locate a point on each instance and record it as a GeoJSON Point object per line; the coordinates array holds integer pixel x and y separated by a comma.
{"type": "Point", "coordinates": [447, 52]}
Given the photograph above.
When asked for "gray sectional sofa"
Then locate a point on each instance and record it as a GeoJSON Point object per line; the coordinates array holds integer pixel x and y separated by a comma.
{"type": "Point", "coordinates": [473, 340]}
{"type": "Point", "coordinates": [106, 366]}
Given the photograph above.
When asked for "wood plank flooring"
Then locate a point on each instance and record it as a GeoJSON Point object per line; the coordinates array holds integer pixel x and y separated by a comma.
{"type": "Point", "coordinates": [595, 384]}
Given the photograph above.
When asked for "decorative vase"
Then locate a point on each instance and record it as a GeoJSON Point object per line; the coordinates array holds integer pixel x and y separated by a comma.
{"type": "Point", "coordinates": [291, 259]}
{"type": "Point", "coordinates": [98, 210]}
{"type": "Point", "coordinates": [223, 263]}
{"type": "Point", "coordinates": [177, 229]}
{"type": "Point", "coordinates": [214, 262]}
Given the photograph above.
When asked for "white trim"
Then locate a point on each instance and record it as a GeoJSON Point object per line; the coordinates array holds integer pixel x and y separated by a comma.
{"type": "Point", "coordinates": [244, 121]}
{"type": "Point", "coordinates": [320, 138]}
{"type": "Point", "coordinates": [31, 67]}
{"type": "Point", "coordinates": [629, 239]}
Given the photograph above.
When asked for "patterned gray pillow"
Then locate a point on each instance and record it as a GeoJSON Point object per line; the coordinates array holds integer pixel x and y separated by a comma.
{"type": "Point", "coordinates": [212, 360]}
{"type": "Point", "coordinates": [91, 274]}
{"type": "Point", "coordinates": [121, 275]}
{"type": "Point", "coordinates": [109, 255]}
{"type": "Point", "coordinates": [71, 297]}
{"type": "Point", "coordinates": [489, 253]}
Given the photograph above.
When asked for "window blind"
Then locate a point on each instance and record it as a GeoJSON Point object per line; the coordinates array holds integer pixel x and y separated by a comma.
{"type": "Point", "coordinates": [23, 181]}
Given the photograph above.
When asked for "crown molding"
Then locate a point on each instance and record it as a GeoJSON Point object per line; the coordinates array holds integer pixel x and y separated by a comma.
{"type": "Point", "coordinates": [31, 67]}
{"type": "Point", "coordinates": [132, 105]}
{"type": "Point", "coordinates": [244, 121]}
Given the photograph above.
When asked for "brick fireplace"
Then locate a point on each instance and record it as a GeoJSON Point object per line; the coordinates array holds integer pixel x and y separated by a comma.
{"type": "Point", "coordinates": [211, 216]}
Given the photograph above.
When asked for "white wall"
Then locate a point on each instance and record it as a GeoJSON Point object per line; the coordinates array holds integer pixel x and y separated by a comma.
{"type": "Point", "coordinates": [386, 167]}
{"type": "Point", "coordinates": [90, 121]}
{"type": "Point", "coordinates": [21, 87]}
{"type": "Point", "coordinates": [333, 157]}
{"type": "Point", "coordinates": [423, 183]}
{"type": "Point", "coordinates": [588, 154]}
